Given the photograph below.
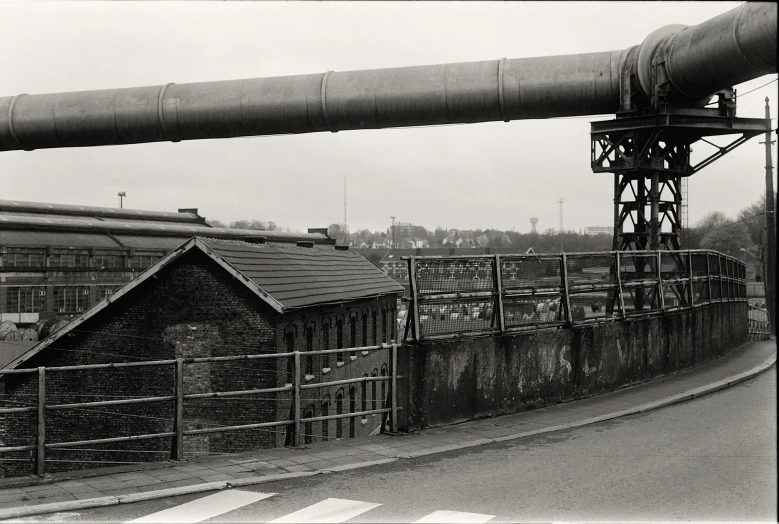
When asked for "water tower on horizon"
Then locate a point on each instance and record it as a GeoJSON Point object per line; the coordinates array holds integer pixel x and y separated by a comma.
{"type": "Point", "coordinates": [533, 222]}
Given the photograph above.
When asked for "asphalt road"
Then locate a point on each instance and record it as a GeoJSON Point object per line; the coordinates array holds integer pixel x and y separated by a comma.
{"type": "Point", "coordinates": [711, 459]}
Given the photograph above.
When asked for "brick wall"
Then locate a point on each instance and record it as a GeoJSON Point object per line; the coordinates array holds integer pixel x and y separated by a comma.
{"type": "Point", "coordinates": [191, 309]}
{"type": "Point", "coordinates": [327, 368]}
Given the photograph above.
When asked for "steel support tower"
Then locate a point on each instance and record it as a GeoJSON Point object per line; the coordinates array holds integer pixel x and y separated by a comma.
{"type": "Point", "coordinates": [648, 147]}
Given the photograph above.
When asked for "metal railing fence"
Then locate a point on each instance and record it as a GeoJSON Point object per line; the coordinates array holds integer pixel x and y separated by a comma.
{"type": "Point", "coordinates": [488, 294]}
{"type": "Point", "coordinates": [297, 385]}
{"type": "Point", "coordinates": [758, 323]}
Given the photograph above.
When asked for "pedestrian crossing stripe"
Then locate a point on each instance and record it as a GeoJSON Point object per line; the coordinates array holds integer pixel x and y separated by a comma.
{"type": "Point", "coordinates": [456, 517]}
{"type": "Point", "coordinates": [205, 508]}
{"type": "Point", "coordinates": [329, 510]}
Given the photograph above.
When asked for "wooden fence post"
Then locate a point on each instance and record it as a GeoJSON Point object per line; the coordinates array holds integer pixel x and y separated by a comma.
{"type": "Point", "coordinates": [296, 382]}
{"type": "Point", "coordinates": [40, 455]}
{"type": "Point", "coordinates": [412, 279]}
{"type": "Point", "coordinates": [498, 284]}
{"type": "Point", "coordinates": [689, 273]}
{"type": "Point", "coordinates": [660, 291]}
{"type": "Point", "coordinates": [394, 387]}
{"type": "Point", "coordinates": [566, 294]}
{"type": "Point", "coordinates": [178, 428]}
{"type": "Point", "coordinates": [618, 262]}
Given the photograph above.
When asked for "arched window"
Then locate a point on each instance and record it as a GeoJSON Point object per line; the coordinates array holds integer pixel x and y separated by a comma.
{"type": "Point", "coordinates": [326, 345]}
{"type": "Point", "coordinates": [365, 329]}
{"type": "Point", "coordinates": [339, 339]}
{"type": "Point", "coordinates": [308, 427]}
{"type": "Point", "coordinates": [339, 410]}
{"type": "Point", "coordinates": [325, 423]}
{"type": "Point", "coordinates": [309, 349]}
{"type": "Point", "coordinates": [375, 334]}
{"type": "Point", "coordinates": [364, 394]}
{"type": "Point", "coordinates": [383, 387]}
{"type": "Point", "coordinates": [353, 333]}
{"type": "Point", "coordinates": [383, 326]}
{"type": "Point", "coordinates": [374, 400]}
{"type": "Point", "coordinates": [352, 406]}
{"type": "Point", "coordinates": [289, 338]}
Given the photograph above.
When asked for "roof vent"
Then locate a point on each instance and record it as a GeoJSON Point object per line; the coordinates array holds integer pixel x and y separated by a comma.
{"type": "Point", "coordinates": [305, 243]}
{"type": "Point", "coordinates": [342, 248]}
{"type": "Point", "coordinates": [255, 240]}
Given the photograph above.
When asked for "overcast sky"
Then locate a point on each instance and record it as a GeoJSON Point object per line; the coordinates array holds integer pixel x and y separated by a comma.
{"type": "Point", "coordinates": [492, 175]}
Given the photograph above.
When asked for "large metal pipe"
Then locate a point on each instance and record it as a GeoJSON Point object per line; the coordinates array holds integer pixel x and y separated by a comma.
{"type": "Point", "coordinates": [702, 59]}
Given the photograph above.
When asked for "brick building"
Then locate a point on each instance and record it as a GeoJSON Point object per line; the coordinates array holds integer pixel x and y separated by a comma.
{"type": "Point", "coordinates": [211, 298]}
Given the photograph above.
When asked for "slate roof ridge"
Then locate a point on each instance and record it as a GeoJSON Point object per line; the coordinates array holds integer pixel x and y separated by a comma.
{"type": "Point", "coordinates": [266, 245]}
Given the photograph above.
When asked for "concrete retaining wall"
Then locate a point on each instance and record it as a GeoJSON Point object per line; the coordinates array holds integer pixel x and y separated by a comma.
{"type": "Point", "coordinates": [459, 379]}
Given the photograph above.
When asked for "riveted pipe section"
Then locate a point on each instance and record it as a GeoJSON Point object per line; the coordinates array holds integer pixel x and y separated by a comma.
{"type": "Point", "coordinates": [702, 59]}
{"type": "Point", "coordinates": [408, 96]}
{"type": "Point", "coordinates": [728, 49]}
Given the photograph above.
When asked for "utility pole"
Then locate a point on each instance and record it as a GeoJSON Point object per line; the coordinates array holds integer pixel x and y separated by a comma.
{"type": "Point", "coordinates": [121, 195]}
{"type": "Point", "coordinates": [770, 225]}
{"type": "Point", "coordinates": [392, 232]}
{"type": "Point", "coordinates": [560, 229]}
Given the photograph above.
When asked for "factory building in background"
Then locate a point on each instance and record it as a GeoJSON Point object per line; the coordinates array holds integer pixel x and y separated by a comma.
{"type": "Point", "coordinates": [57, 260]}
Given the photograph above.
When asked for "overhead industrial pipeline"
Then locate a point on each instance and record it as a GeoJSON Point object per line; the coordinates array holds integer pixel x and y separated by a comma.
{"type": "Point", "coordinates": [731, 48]}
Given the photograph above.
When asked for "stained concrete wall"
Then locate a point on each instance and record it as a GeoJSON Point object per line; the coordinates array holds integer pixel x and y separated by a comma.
{"type": "Point", "coordinates": [454, 380]}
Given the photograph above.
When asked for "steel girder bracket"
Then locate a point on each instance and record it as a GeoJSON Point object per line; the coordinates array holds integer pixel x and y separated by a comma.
{"type": "Point", "coordinates": [649, 155]}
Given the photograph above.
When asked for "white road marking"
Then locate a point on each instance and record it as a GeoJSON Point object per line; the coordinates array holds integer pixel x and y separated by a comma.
{"type": "Point", "coordinates": [206, 507]}
{"type": "Point", "coordinates": [456, 516]}
{"type": "Point", "coordinates": [329, 510]}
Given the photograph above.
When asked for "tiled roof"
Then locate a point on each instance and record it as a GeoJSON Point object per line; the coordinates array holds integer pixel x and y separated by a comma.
{"type": "Point", "coordinates": [299, 277]}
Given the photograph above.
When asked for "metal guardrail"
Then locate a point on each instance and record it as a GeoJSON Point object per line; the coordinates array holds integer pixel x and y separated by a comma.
{"type": "Point", "coordinates": [296, 387]}
{"type": "Point", "coordinates": [758, 323]}
{"type": "Point", "coordinates": [489, 294]}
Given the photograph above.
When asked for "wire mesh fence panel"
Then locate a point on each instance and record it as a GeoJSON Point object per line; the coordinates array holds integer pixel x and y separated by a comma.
{"type": "Point", "coordinates": [532, 311]}
{"type": "Point", "coordinates": [701, 292]}
{"type": "Point", "coordinates": [594, 305]}
{"type": "Point", "coordinates": [591, 269]}
{"type": "Point", "coordinates": [641, 299]}
{"type": "Point", "coordinates": [638, 266]}
{"type": "Point", "coordinates": [531, 273]}
{"type": "Point", "coordinates": [434, 276]}
{"type": "Point", "coordinates": [675, 295]}
{"type": "Point", "coordinates": [716, 288]}
{"type": "Point", "coordinates": [458, 316]}
{"type": "Point", "coordinates": [699, 267]}
{"type": "Point", "coordinates": [674, 266]}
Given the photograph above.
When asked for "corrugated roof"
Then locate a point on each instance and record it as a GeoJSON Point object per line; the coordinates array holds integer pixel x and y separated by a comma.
{"type": "Point", "coordinates": [20, 206]}
{"type": "Point", "coordinates": [17, 238]}
{"type": "Point", "coordinates": [301, 277]}
{"type": "Point", "coordinates": [131, 227]}
{"type": "Point", "coordinates": [148, 242]}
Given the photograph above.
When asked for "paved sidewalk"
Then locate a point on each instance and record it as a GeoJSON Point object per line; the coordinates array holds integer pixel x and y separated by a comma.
{"type": "Point", "coordinates": [92, 488]}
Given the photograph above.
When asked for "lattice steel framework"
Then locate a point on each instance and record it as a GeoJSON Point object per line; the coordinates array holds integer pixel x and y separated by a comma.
{"type": "Point", "coordinates": [648, 147]}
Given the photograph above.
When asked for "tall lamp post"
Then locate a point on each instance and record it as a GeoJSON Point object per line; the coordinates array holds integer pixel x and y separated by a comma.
{"type": "Point", "coordinates": [770, 226]}
{"type": "Point", "coordinates": [121, 195]}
